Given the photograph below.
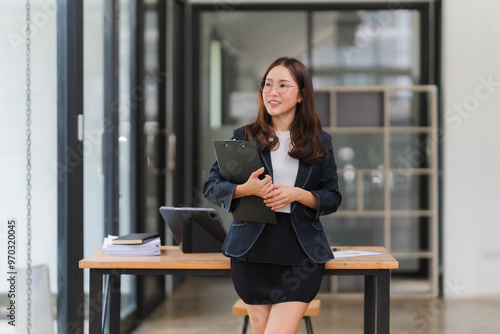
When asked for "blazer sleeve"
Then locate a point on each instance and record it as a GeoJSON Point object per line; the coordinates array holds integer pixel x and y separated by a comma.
{"type": "Point", "coordinates": [219, 191]}
{"type": "Point", "coordinates": [329, 197]}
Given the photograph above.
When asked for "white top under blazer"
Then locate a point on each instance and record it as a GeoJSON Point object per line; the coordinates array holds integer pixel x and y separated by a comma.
{"type": "Point", "coordinates": [285, 168]}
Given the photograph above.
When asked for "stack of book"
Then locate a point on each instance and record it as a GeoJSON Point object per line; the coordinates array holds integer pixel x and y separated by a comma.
{"type": "Point", "coordinates": [134, 244]}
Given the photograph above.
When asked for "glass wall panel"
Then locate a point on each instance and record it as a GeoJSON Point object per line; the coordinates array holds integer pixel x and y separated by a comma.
{"type": "Point", "coordinates": [358, 150]}
{"type": "Point", "coordinates": [348, 183]}
{"type": "Point", "coordinates": [124, 127]}
{"type": "Point", "coordinates": [93, 176]}
{"type": "Point", "coordinates": [152, 169]}
{"type": "Point", "coordinates": [323, 107]}
{"type": "Point", "coordinates": [373, 190]}
{"type": "Point", "coordinates": [152, 131]}
{"type": "Point", "coordinates": [360, 109]}
{"type": "Point", "coordinates": [361, 190]}
{"type": "Point", "coordinates": [408, 108]}
{"type": "Point", "coordinates": [365, 47]}
{"type": "Point", "coordinates": [409, 150]}
{"type": "Point", "coordinates": [124, 145]}
{"type": "Point", "coordinates": [406, 234]}
{"type": "Point", "coordinates": [354, 231]}
{"type": "Point", "coordinates": [412, 150]}
{"type": "Point", "coordinates": [410, 191]}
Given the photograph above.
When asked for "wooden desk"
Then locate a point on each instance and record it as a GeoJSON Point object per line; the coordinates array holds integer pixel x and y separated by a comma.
{"type": "Point", "coordinates": [375, 268]}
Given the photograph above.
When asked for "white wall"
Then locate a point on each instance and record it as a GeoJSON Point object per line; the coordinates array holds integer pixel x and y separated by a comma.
{"type": "Point", "coordinates": [43, 136]}
{"type": "Point", "coordinates": [471, 144]}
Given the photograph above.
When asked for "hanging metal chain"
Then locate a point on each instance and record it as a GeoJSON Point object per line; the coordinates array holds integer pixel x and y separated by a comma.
{"type": "Point", "coordinates": [28, 164]}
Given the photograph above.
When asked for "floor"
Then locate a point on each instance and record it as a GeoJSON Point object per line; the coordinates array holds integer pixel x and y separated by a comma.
{"type": "Point", "coordinates": [204, 305]}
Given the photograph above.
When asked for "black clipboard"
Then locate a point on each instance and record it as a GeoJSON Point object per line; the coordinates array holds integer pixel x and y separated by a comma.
{"type": "Point", "coordinates": [238, 159]}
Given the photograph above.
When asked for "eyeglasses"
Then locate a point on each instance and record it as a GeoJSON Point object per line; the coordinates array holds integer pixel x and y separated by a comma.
{"type": "Point", "coordinates": [281, 88]}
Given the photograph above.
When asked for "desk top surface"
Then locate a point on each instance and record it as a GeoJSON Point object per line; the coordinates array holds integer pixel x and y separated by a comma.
{"type": "Point", "coordinates": [172, 258]}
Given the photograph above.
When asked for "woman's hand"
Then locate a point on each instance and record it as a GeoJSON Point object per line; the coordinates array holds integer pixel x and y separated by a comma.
{"type": "Point", "coordinates": [282, 195]}
{"type": "Point", "coordinates": [254, 185]}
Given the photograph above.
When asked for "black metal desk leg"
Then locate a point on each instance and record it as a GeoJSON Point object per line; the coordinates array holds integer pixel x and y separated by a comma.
{"type": "Point", "coordinates": [114, 303]}
{"type": "Point", "coordinates": [383, 301]}
{"type": "Point", "coordinates": [370, 303]}
{"type": "Point", "coordinates": [95, 302]}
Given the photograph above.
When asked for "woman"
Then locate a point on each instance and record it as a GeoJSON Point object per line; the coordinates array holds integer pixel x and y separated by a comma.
{"type": "Point", "coordinates": [277, 268]}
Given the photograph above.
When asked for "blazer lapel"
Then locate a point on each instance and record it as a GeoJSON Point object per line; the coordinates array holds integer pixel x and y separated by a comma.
{"type": "Point", "coordinates": [302, 177]}
{"type": "Point", "coordinates": [266, 160]}
{"type": "Point", "coordinates": [303, 174]}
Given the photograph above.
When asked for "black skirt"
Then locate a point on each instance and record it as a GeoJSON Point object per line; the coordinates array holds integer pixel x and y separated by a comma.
{"type": "Point", "coordinates": [276, 269]}
{"type": "Point", "coordinates": [270, 283]}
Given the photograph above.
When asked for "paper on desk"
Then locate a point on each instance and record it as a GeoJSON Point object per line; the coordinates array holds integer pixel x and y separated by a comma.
{"type": "Point", "coordinates": [146, 249]}
{"type": "Point", "coordinates": [352, 253]}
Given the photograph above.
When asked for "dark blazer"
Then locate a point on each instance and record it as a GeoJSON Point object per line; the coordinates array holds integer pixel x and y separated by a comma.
{"type": "Point", "coordinates": [320, 178]}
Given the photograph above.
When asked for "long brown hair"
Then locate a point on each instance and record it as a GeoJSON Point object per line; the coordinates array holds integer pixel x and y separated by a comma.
{"type": "Point", "coordinates": [306, 143]}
